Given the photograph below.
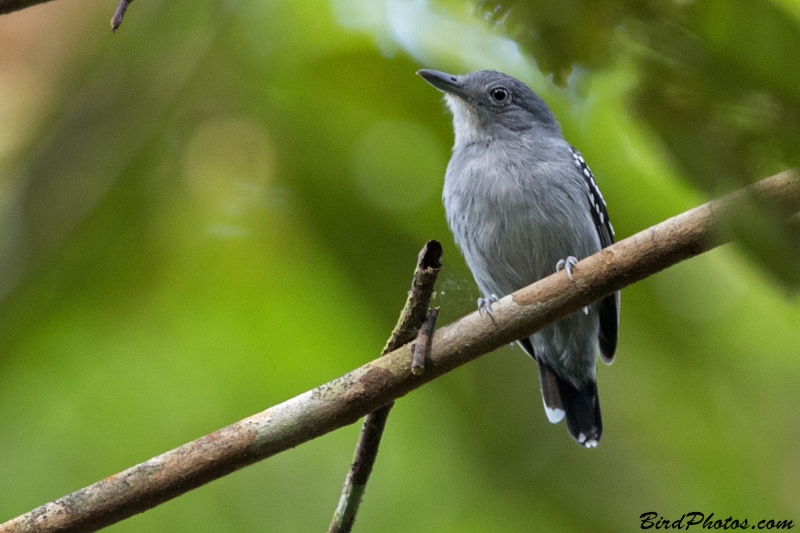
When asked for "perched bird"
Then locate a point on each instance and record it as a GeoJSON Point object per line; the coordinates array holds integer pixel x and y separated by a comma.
{"type": "Point", "coordinates": [522, 203]}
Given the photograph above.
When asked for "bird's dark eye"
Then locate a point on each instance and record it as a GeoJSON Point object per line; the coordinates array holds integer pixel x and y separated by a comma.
{"type": "Point", "coordinates": [499, 94]}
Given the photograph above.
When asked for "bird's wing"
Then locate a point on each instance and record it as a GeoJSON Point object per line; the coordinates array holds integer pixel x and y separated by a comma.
{"type": "Point", "coordinates": [609, 306]}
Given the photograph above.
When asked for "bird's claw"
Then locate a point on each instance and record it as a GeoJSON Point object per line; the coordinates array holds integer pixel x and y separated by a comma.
{"type": "Point", "coordinates": [485, 304]}
{"type": "Point", "coordinates": [567, 264]}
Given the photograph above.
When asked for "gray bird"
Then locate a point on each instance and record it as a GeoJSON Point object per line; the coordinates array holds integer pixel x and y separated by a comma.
{"type": "Point", "coordinates": [521, 203]}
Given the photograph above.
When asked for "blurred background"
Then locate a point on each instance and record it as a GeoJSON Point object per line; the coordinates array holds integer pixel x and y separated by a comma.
{"type": "Point", "coordinates": [220, 207]}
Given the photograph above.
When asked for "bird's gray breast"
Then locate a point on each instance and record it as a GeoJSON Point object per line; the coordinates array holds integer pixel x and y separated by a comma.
{"type": "Point", "coordinates": [514, 213]}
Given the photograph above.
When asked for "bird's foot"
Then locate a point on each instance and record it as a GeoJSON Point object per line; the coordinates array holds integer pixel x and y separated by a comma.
{"type": "Point", "coordinates": [485, 304]}
{"type": "Point", "coordinates": [567, 264]}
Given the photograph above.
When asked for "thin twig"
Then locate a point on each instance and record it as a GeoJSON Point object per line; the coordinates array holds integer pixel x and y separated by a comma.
{"type": "Point", "coordinates": [419, 298]}
{"type": "Point", "coordinates": [119, 14]}
{"type": "Point", "coordinates": [346, 399]}
{"type": "Point", "coordinates": [356, 482]}
{"type": "Point", "coordinates": [422, 346]}
{"type": "Point", "coordinates": [411, 319]}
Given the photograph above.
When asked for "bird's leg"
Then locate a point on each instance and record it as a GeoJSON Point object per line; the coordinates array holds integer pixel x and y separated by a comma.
{"type": "Point", "coordinates": [567, 264]}
{"type": "Point", "coordinates": [485, 304]}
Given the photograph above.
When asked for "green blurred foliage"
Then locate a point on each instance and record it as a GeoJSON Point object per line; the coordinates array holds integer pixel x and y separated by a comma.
{"type": "Point", "coordinates": [713, 81]}
{"type": "Point", "coordinates": [220, 207]}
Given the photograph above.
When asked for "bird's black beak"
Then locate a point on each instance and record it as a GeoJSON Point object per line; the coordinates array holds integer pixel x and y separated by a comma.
{"type": "Point", "coordinates": [444, 82]}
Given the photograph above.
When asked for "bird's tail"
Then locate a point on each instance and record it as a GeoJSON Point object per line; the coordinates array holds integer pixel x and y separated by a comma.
{"type": "Point", "coordinates": [581, 407]}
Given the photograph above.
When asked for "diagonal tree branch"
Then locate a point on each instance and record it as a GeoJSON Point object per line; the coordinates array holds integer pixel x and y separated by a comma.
{"type": "Point", "coordinates": [9, 6]}
{"type": "Point", "coordinates": [349, 397]}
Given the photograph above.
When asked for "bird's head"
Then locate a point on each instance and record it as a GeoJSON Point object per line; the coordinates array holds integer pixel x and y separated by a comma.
{"type": "Point", "coordinates": [490, 105]}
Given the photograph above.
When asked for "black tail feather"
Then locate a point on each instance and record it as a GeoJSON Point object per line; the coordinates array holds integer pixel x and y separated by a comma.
{"type": "Point", "coordinates": [551, 393]}
{"type": "Point", "coordinates": [561, 399]}
{"type": "Point", "coordinates": [584, 422]}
